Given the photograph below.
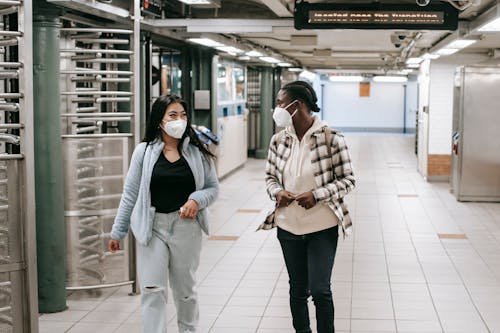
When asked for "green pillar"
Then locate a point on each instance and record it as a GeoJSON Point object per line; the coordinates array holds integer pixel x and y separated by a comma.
{"type": "Point", "coordinates": [49, 189]}
{"type": "Point", "coordinates": [266, 104]}
{"type": "Point", "coordinates": [203, 82]}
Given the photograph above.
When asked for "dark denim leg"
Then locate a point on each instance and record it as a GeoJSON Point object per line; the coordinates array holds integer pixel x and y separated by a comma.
{"type": "Point", "coordinates": [321, 254]}
{"type": "Point", "coordinates": [295, 254]}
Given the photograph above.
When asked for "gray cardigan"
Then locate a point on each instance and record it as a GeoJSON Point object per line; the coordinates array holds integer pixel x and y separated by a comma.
{"type": "Point", "coordinates": [135, 208]}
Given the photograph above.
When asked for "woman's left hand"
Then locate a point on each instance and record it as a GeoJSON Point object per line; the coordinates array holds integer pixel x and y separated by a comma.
{"type": "Point", "coordinates": [189, 210]}
{"type": "Point", "coordinates": [306, 200]}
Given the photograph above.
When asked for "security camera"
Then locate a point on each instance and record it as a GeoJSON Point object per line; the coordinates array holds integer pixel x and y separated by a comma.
{"type": "Point", "coordinates": [400, 35]}
{"type": "Point", "coordinates": [423, 2]}
{"type": "Point", "coordinates": [396, 40]}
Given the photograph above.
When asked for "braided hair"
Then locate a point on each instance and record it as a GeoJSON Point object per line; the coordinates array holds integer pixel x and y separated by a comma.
{"type": "Point", "coordinates": [304, 92]}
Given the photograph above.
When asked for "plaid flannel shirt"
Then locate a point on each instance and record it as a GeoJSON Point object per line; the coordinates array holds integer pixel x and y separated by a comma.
{"type": "Point", "coordinates": [331, 186]}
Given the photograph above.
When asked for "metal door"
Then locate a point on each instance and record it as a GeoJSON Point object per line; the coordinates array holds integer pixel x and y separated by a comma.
{"type": "Point", "coordinates": [98, 135]}
{"type": "Point", "coordinates": [18, 293]}
{"type": "Point", "coordinates": [456, 130]}
{"type": "Point", "coordinates": [479, 151]}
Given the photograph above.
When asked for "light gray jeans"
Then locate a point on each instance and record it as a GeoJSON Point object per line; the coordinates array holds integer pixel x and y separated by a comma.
{"type": "Point", "coordinates": [173, 254]}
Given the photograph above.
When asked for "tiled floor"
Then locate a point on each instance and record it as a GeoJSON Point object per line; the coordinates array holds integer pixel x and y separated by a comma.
{"type": "Point", "coordinates": [395, 274]}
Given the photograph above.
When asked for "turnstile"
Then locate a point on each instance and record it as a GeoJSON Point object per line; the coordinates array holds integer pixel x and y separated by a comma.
{"type": "Point", "coordinates": [98, 135]}
{"type": "Point", "coordinates": [18, 291]}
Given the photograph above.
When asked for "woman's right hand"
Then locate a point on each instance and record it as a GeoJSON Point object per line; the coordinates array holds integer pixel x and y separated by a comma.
{"type": "Point", "coordinates": [114, 245]}
{"type": "Point", "coordinates": [284, 198]}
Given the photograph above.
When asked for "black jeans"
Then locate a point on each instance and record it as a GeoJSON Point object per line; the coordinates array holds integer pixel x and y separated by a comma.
{"type": "Point", "coordinates": [309, 260]}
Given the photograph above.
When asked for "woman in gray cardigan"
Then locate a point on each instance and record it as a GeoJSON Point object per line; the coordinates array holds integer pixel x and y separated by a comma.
{"type": "Point", "coordinates": [170, 183]}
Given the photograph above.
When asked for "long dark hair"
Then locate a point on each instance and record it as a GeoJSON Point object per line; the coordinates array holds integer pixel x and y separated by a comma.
{"type": "Point", "coordinates": [153, 130]}
{"type": "Point", "coordinates": [304, 92]}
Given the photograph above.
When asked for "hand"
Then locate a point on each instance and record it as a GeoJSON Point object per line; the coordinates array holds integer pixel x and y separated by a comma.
{"type": "Point", "coordinates": [284, 198]}
{"type": "Point", "coordinates": [306, 200]}
{"type": "Point", "coordinates": [189, 210]}
{"type": "Point", "coordinates": [114, 245]}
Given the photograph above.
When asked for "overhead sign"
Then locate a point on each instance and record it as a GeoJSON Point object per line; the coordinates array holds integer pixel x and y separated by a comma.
{"type": "Point", "coordinates": [441, 16]}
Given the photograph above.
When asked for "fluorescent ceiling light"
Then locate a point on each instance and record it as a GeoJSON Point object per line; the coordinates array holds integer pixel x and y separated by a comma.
{"type": "Point", "coordinates": [405, 71]}
{"type": "Point", "coordinates": [390, 79]}
{"type": "Point", "coordinates": [347, 78]}
{"type": "Point", "coordinates": [229, 49]}
{"type": "Point", "coordinates": [244, 58]}
{"type": "Point", "coordinates": [254, 53]}
{"type": "Point", "coordinates": [491, 26]}
{"type": "Point", "coordinates": [445, 52]}
{"type": "Point", "coordinates": [455, 46]}
{"type": "Point", "coordinates": [460, 43]}
{"type": "Point", "coordinates": [284, 64]}
{"type": "Point", "coordinates": [308, 75]}
{"type": "Point", "coordinates": [295, 69]}
{"type": "Point", "coordinates": [196, 2]}
{"type": "Point", "coordinates": [206, 41]}
{"type": "Point", "coordinates": [430, 56]}
{"type": "Point", "coordinates": [270, 60]}
{"type": "Point", "coordinates": [413, 66]}
{"type": "Point", "coordinates": [412, 61]}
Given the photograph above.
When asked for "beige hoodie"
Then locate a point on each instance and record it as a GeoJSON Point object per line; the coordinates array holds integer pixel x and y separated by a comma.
{"type": "Point", "coordinates": [298, 178]}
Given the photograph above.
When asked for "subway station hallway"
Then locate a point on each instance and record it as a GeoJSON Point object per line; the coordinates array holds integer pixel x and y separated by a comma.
{"type": "Point", "coordinates": [418, 261]}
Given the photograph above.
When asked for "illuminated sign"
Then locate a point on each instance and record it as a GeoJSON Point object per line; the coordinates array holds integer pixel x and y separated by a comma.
{"type": "Point", "coordinates": [391, 17]}
{"type": "Point", "coordinates": [375, 16]}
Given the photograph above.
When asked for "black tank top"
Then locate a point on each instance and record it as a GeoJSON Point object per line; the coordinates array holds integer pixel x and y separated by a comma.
{"type": "Point", "coordinates": [171, 184]}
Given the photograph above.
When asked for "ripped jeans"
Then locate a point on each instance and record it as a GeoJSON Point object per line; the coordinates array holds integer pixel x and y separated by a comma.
{"type": "Point", "coordinates": [172, 255]}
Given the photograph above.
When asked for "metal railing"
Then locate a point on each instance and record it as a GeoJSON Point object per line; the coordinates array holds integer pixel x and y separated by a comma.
{"type": "Point", "coordinates": [18, 298]}
{"type": "Point", "coordinates": [96, 68]}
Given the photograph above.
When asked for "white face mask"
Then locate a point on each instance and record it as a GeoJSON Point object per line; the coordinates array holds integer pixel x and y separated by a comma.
{"type": "Point", "coordinates": [175, 128]}
{"type": "Point", "coordinates": [282, 117]}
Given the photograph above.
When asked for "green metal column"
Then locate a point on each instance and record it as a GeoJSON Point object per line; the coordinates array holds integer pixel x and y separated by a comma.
{"type": "Point", "coordinates": [203, 82]}
{"type": "Point", "coordinates": [49, 189]}
{"type": "Point", "coordinates": [266, 104]}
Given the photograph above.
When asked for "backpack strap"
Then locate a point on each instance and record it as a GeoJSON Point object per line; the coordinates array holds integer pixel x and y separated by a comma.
{"type": "Point", "coordinates": [328, 138]}
{"type": "Point", "coordinates": [280, 136]}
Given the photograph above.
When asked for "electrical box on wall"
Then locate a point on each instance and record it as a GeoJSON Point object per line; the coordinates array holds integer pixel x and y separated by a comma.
{"type": "Point", "coordinates": [202, 99]}
{"type": "Point", "coordinates": [151, 7]}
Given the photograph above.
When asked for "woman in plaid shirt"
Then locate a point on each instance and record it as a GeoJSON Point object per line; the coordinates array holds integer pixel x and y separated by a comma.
{"type": "Point", "coordinates": [308, 172]}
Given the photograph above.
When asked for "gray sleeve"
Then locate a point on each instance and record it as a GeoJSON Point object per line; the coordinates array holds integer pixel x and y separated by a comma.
{"type": "Point", "coordinates": [130, 193]}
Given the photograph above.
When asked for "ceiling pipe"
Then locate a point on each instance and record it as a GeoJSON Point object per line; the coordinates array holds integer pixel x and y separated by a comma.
{"type": "Point", "coordinates": [466, 4]}
{"type": "Point", "coordinates": [279, 7]}
{"type": "Point", "coordinates": [406, 51]}
{"type": "Point", "coordinates": [463, 31]}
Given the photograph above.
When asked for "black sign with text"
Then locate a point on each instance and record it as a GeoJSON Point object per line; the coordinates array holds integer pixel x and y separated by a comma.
{"type": "Point", "coordinates": [375, 16]}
